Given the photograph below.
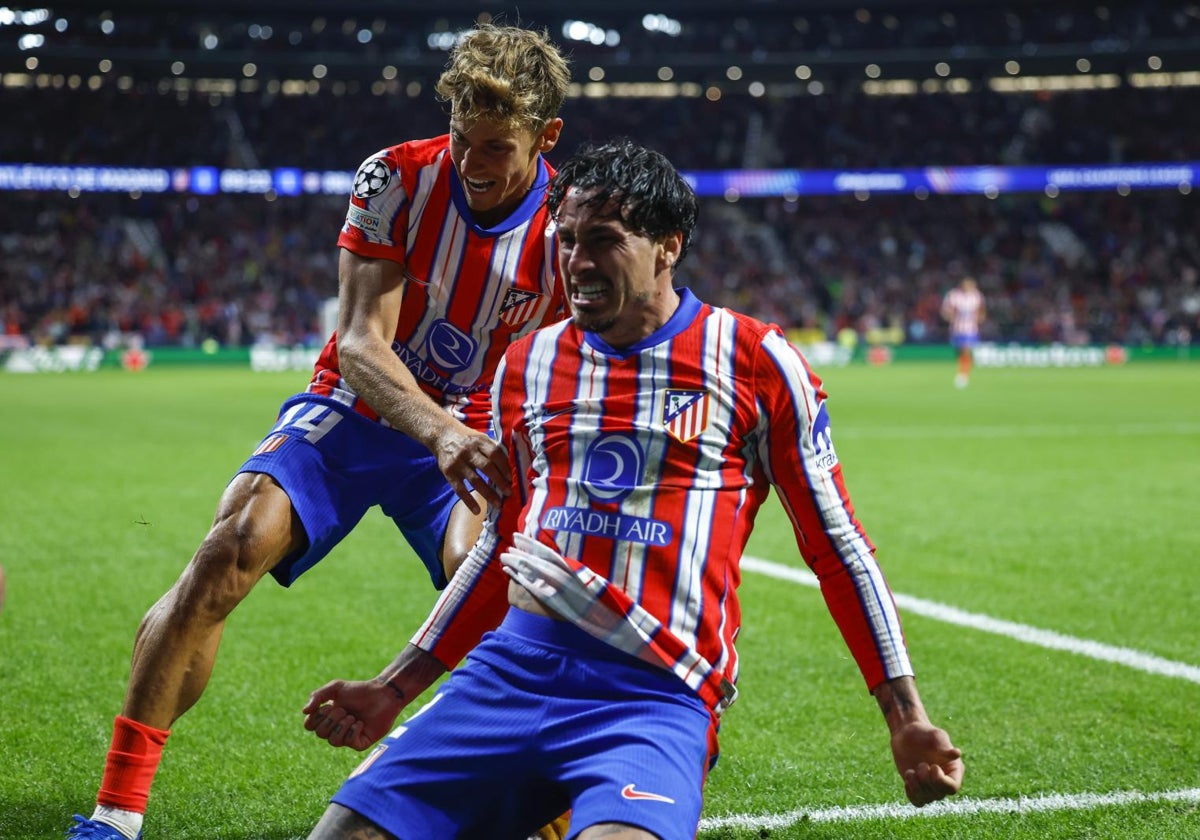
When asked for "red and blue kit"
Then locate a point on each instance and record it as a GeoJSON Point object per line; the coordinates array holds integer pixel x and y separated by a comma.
{"type": "Point", "coordinates": [966, 308]}
{"type": "Point", "coordinates": [657, 457]}
{"type": "Point", "coordinates": [470, 291]}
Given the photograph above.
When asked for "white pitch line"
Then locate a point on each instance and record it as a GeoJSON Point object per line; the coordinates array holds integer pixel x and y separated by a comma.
{"type": "Point", "coordinates": [950, 807]}
{"type": "Point", "coordinates": [1021, 632]}
{"type": "Point", "coordinates": [1014, 431]}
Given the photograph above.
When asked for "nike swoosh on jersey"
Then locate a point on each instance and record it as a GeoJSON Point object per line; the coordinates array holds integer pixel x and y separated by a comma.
{"type": "Point", "coordinates": [629, 793]}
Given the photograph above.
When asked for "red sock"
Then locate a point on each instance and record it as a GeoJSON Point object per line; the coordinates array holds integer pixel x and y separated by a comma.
{"type": "Point", "coordinates": [964, 363]}
{"type": "Point", "coordinates": [132, 761]}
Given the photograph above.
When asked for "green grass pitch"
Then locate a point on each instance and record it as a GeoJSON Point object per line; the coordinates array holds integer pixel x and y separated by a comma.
{"type": "Point", "coordinates": [1066, 500]}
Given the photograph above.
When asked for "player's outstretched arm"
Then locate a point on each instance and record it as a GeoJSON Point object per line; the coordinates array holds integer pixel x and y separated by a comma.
{"type": "Point", "coordinates": [358, 713]}
{"type": "Point", "coordinates": [930, 765]}
{"type": "Point", "coordinates": [369, 298]}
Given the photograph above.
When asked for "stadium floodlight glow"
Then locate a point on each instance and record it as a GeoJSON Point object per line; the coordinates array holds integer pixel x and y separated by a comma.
{"type": "Point", "coordinates": [665, 74]}
{"type": "Point", "coordinates": [390, 72]}
{"type": "Point", "coordinates": [1154, 62]}
{"type": "Point", "coordinates": [30, 42]}
{"type": "Point", "coordinates": [872, 71]}
{"type": "Point", "coordinates": [177, 68]}
{"type": "Point", "coordinates": [733, 73]}
{"type": "Point", "coordinates": [443, 41]}
{"type": "Point", "coordinates": [1083, 65]}
{"type": "Point", "coordinates": [320, 71]}
{"type": "Point", "coordinates": [581, 30]}
{"type": "Point", "coordinates": [663, 24]}
{"type": "Point", "coordinates": [105, 65]}
{"type": "Point", "coordinates": [757, 89]}
{"type": "Point", "coordinates": [249, 69]}
{"type": "Point", "coordinates": [942, 69]}
{"type": "Point", "coordinates": [803, 72]}
{"type": "Point", "coordinates": [23, 17]}
{"type": "Point", "coordinates": [364, 36]}
{"type": "Point", "coordinates": [60, 25]}
{"type": "Point", "coordinates": [211, 41]}
{"type": "Point", "coordinates": [1012, 68]}
{"type": "Point", "coordinates": [107, 26]}
{"type": "Point", "coordinates": [596, 74]}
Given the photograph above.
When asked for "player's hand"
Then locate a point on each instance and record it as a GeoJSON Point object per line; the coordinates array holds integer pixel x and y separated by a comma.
{"type": "Point", "coordinates": [352, 714]}
{"type": "Point", "coordinates": [932, 767]}
{"type": "Point", "coordinates": [472, 460]}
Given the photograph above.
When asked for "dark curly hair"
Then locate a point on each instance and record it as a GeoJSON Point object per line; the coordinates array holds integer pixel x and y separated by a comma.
{"type": "Point", "coordinates": [653, 198]}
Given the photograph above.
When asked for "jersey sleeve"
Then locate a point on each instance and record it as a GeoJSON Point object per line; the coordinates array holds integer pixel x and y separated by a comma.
{"type": "Point", "coordinates": [377, 218]}
{"type": "Point", "coordinates": [796, 446]}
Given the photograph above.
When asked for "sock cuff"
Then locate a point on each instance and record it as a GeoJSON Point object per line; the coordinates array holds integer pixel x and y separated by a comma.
{"type": "Point", "coordinates": [131, 736]}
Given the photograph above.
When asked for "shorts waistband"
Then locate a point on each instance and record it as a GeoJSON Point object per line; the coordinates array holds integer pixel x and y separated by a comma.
{"type": "Point", "coordinates": [562, 634]}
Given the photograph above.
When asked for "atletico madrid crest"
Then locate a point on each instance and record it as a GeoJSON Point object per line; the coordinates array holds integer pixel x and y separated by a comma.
{"type": "Point", "coordinates": [518, 306]}
{"type": "Point", "coordinates": [685, 414]}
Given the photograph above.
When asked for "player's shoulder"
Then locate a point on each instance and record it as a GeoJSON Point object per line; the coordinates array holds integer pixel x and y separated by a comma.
{"type": "Point", "coordinates": [746, 328]}
{"type": "Point", "coordinates": [411, 153]}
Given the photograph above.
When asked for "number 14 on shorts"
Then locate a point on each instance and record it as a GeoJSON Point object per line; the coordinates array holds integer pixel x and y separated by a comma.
{"type": "Point", "coordinates": [315, 421]}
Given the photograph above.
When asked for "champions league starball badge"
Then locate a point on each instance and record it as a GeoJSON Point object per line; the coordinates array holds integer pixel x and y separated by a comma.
{"type": "Point", "coordinates": [371, 179]}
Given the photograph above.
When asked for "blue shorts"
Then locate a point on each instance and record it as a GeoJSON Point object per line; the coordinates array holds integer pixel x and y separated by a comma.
{"type": "Point", "coordinates": [962, 341]}
{"type": "Point", "coordinates": [541, 717]}
{"type": "Point", "coordinates": [335, 464]}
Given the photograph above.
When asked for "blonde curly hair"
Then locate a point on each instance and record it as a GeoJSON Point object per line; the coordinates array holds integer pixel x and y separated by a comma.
{"type": "Point", "coordinates": [513, 76]}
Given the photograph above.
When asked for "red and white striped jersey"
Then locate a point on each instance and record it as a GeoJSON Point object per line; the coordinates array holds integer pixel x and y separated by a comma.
{"type": "Point", "coordinates": [640, 475]}
{"type": "Point", "coordinates": [470, 291]}
{"type": "Point", "coordinates": [964, 309]}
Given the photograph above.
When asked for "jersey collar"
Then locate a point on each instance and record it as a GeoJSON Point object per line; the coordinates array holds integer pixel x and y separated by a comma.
{"type": "Point", "coordinates": [680, 320]}
{"type": "Point", "coordinates": [524, 212]}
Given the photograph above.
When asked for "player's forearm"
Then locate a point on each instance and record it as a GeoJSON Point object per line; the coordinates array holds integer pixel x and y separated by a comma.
{"type": "Point", "coordinates": [900, 703]}
{"type": "Point", "coordinates": [411, 672]}
{"type": "Point", "coordinates": [372, 370]}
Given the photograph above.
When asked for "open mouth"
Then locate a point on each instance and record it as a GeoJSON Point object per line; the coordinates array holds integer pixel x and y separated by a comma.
{"type": "Point", "coordinates": [477, 187]}
{"type": "Point", "coordinates": [584, 294]}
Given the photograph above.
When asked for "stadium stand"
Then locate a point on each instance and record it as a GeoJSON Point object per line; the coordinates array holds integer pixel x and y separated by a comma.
{"type": "Point", "coordinates": [178, 269]}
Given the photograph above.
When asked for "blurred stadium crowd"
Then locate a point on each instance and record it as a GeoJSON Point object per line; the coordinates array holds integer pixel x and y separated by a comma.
{"type": "Point", "coordinates": [1077, 268]}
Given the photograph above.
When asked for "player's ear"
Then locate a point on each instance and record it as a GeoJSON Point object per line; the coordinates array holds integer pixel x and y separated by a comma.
{"type": "Point", "coordinates": [547, 139]}
{"type": "Point", "coordinates": [668, 251]}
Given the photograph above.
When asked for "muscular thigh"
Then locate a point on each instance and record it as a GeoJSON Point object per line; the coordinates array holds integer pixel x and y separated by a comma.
{"type": "Point", "coordinates": [256, 515]}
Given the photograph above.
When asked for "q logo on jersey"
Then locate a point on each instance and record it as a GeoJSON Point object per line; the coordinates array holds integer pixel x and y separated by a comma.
{"type": "Point", "coordinates": [449, 347]}
{"type": "Point", "coordinates": [822, 440]}
{"type": "Point", "coordinates": [612, 467]}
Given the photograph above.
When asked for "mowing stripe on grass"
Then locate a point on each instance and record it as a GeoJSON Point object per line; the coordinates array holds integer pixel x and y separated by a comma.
{"type": "Point", "coordinates": [1021, 632]}
{"type": "Point", "coordinates": [951, 807]}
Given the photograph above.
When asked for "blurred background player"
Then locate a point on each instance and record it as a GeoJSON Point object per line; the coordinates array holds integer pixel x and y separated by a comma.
{"type": "Point", "coordinates": [645, 433]}
{"type": "Point", "coordinates": [446, 256]}
{"type": "Point", "coordinates": [964, 309]}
